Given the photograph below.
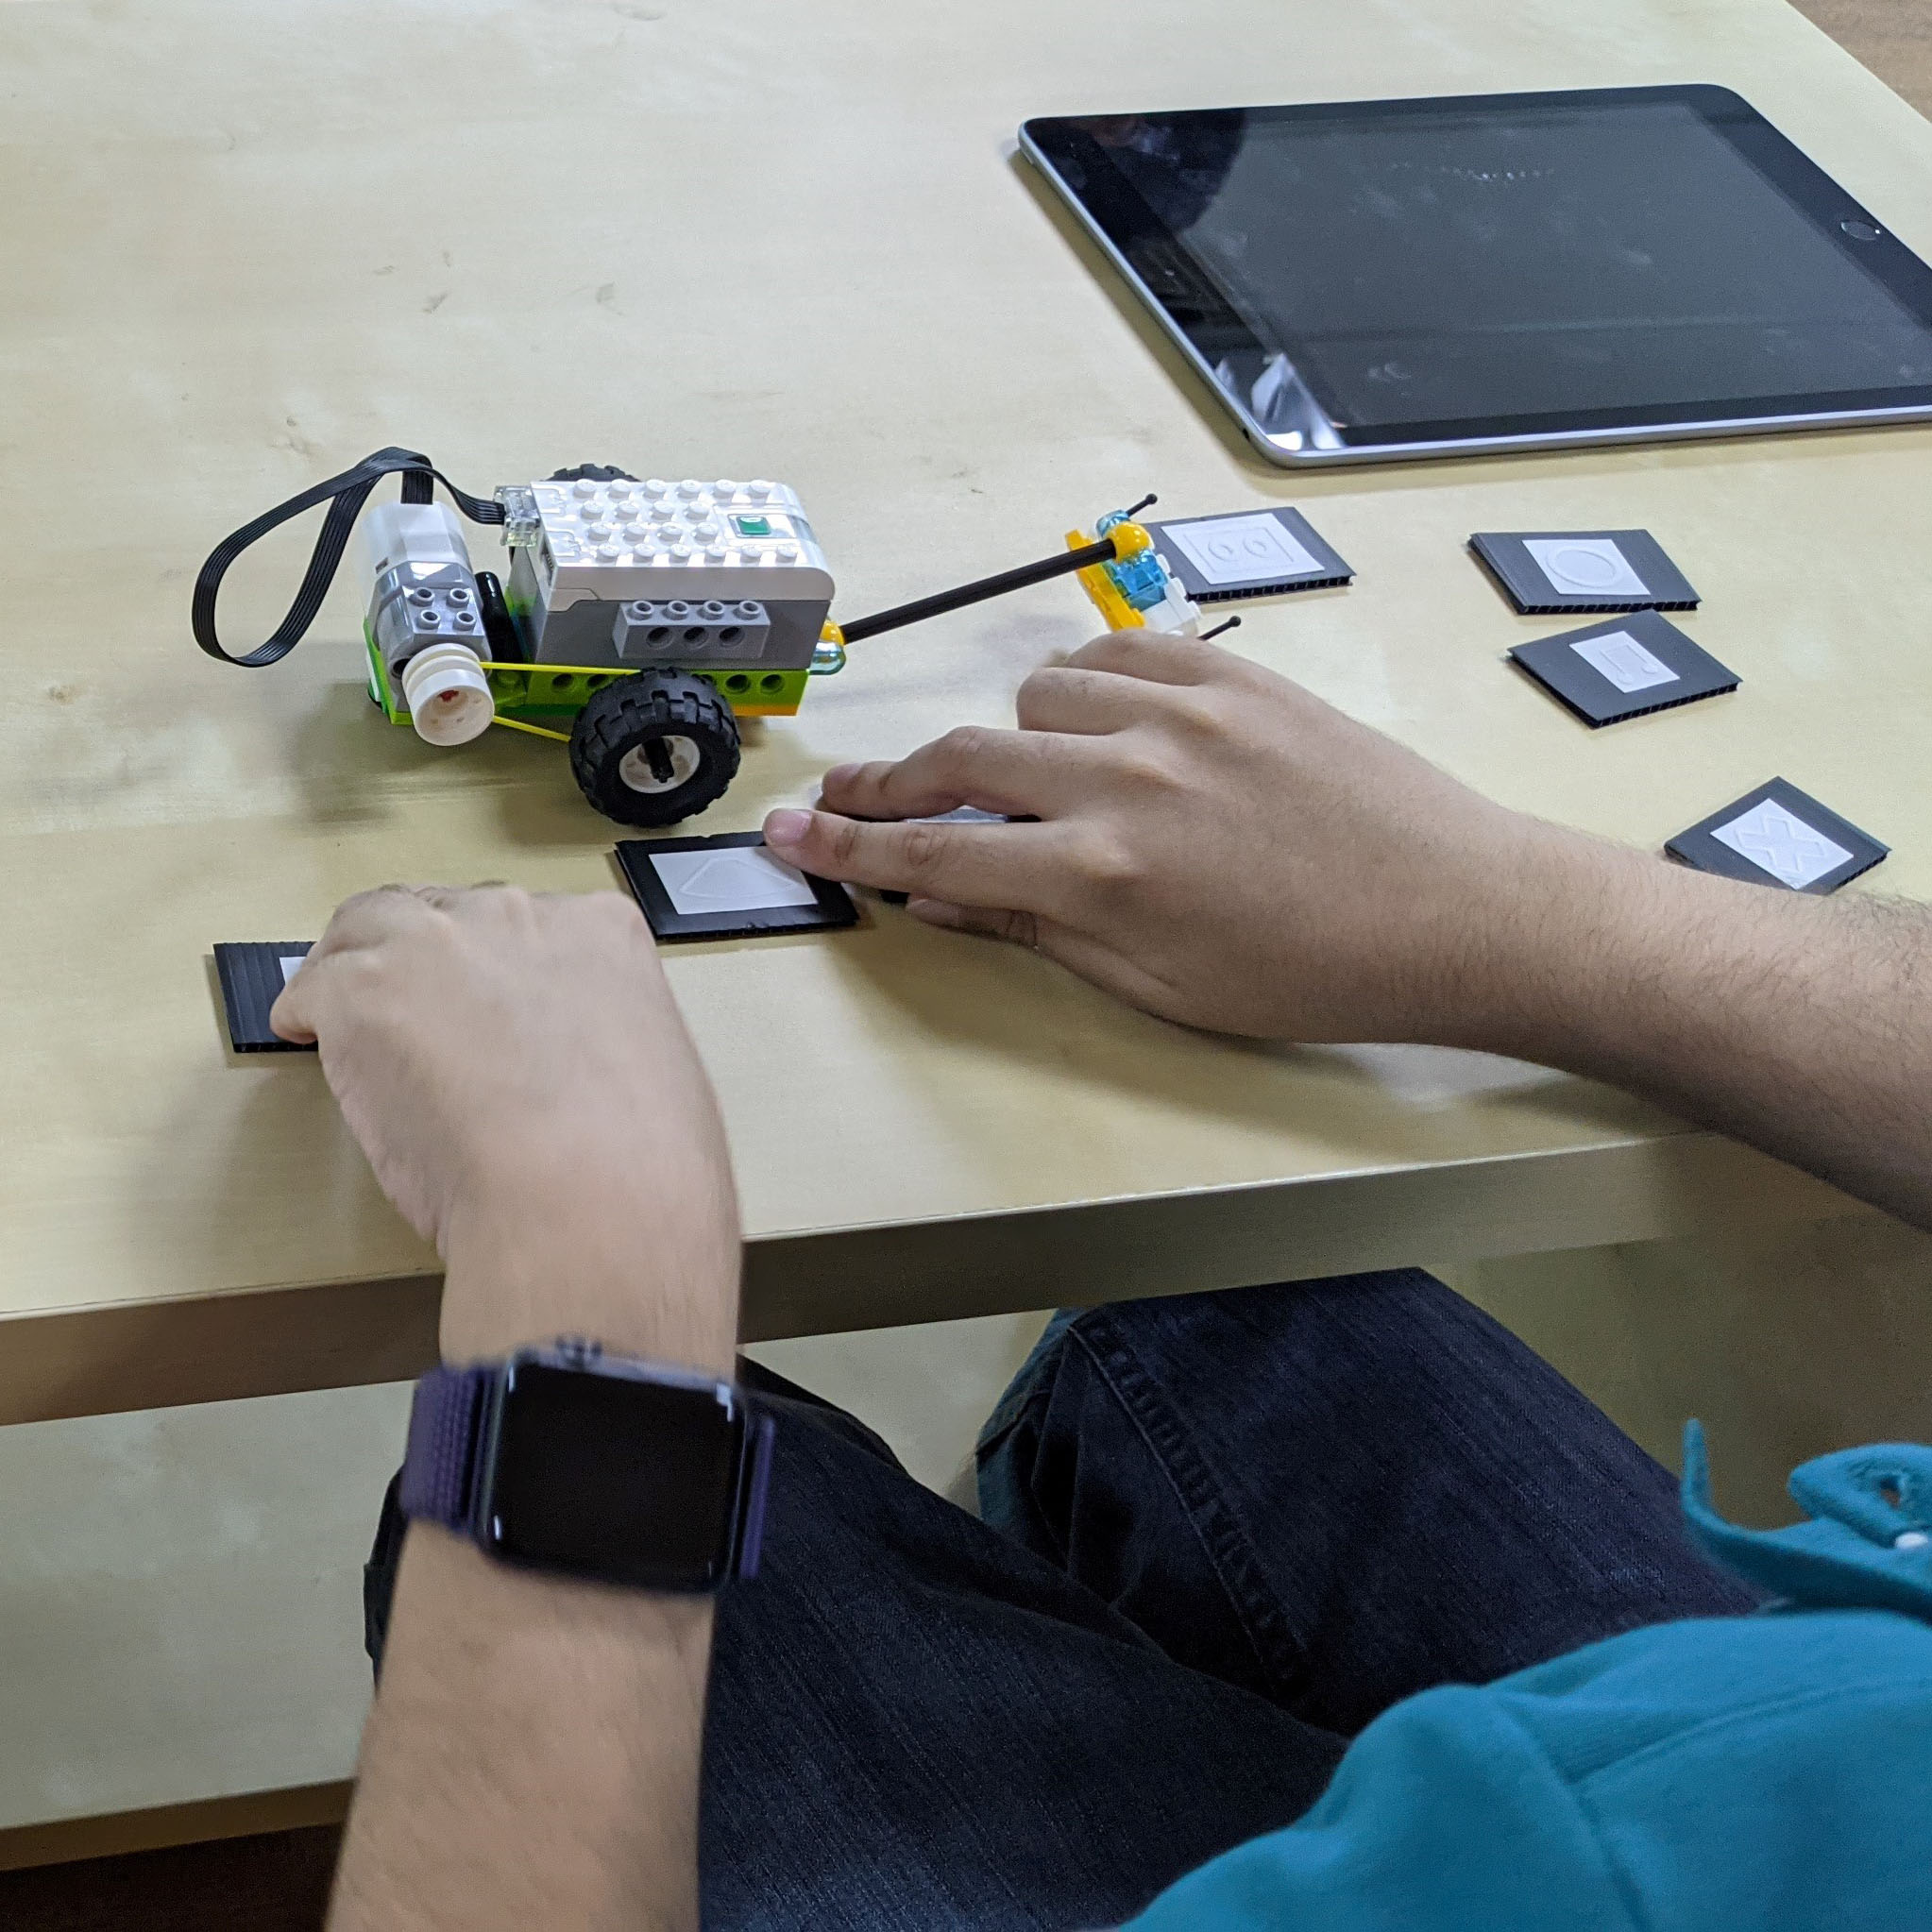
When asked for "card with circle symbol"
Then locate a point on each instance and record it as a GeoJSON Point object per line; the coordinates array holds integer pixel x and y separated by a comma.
{"type": "Point", "coordinates": [1548, 571]}
{"type": "Point", "coordinates": [728, 887]}
{"type": "Point", "coordinates": [1779, 836]}
{"type": "Point", "coordinates": [1624, 669]}
{"type": "Point", "coordinates": [1247, 553]}
{"type": "Point", "coordinates": [252, 976]}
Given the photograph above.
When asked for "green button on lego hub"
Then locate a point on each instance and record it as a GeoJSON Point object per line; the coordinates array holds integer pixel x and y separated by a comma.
{"type": "Point", "coordinates": [753, 526]}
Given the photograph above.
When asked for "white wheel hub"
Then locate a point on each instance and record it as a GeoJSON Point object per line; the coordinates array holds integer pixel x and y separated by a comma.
{"type": "Point", "coordinates": [633, 768]}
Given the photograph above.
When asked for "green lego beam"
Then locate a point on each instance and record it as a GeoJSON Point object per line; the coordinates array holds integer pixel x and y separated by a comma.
{"type": "Point", "coordinates": [547, 694]}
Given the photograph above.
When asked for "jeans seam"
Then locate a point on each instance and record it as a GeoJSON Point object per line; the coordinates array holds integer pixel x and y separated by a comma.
{"type": "Point", "coordinates": [1224, 1543]}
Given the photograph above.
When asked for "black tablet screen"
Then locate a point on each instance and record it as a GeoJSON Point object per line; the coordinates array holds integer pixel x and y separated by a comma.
{"type": "Point", "coordinates": [1588, 257]}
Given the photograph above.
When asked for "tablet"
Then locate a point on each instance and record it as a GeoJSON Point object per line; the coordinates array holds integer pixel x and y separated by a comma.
{"type": "Point", "coordinates": [1373, 279]}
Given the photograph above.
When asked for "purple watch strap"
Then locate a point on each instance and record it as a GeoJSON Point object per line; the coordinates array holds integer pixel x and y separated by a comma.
{"type": "Point", "coordinates": [439, 1467]}
{"type": "Point", "coordinates": [751, 1493]}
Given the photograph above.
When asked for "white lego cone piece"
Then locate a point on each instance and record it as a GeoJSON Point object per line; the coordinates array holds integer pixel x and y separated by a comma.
{"type": "Point", "coordinates": [447, 694]}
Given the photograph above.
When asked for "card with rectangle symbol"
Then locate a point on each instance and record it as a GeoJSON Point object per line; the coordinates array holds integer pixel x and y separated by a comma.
{"type": "Point", "coordinates": [1779, 836]}
{"type": "Point", "coordinates": [1546, 572]}
{"type": "Point", "coordinates": [1247, 553]}
{"type": "Point", "coordinates": [1624, 669]}
{"type": "Point", "coordinates": [728, 887]}
{"type": "Point", "coordinates": [252, 976]}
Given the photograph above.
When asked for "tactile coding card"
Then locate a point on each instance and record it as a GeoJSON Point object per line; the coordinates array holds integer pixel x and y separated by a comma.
{"type": "Point", "coordinates": [1553, 570]}
{"type": "Point", "coordinates": [1248, 554]}
{"type": "Point", "coordinates": [252, 976]}
{"type": "Point", "coordinates": [728, 887]}
{"type": "Point", "coordinates": [1779, 836]}
{"type": "Point", "coordinates": [1624, 669]}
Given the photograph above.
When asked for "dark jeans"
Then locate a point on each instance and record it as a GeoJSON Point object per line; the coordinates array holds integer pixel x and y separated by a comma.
{"type": "Point", "coordinates": [1222, 1533]}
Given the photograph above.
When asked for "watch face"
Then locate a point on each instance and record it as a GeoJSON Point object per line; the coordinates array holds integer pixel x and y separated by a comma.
{"type": "Point", "coordinates": [627, 1480]}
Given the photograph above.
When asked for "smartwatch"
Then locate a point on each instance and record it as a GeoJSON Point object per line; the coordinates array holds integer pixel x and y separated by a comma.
{"type": "Point", "coordinates": [586, 1465]}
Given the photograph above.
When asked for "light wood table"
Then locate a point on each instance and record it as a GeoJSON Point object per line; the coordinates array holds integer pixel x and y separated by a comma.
{"type": "Point", "coordinates": [250, 244]}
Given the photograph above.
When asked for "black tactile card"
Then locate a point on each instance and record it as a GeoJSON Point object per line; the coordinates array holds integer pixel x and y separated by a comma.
{"type": "Point", "coordinates": [1549, 572]}
{"type": "Point", "coordinates": [1776, 835]}
{"type": "Point", "coordinates": [1625, 667]}
{"type": "Point", "coordinates": [1247, 553]}
{"type": "Point", "coordinates": [728, 887]}
{"type": "Point", "coordinates": [252, 976]}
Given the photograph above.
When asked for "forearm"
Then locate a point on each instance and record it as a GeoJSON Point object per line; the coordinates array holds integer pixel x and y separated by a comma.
{"type": "Point", "coordinates": [1797, 1023]}
{"type": "Point", "coordinates": [532, 1760]}
{"type": "Point", "coordinates": [1216, 845]}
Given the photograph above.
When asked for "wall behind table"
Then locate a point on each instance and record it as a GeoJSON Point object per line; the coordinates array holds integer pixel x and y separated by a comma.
{"type": "Point", "coordinates": [1786, 1344]}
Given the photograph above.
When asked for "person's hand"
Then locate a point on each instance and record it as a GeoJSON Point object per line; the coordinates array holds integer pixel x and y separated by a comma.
{"type": "Point", "coordinates": [522, 1083]}
{"type": "Point", "coordinates": [1213, 844]}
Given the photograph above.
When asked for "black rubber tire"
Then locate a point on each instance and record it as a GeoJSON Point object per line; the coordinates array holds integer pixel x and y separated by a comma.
{"type": "Point", "coordinates": [626, 715]}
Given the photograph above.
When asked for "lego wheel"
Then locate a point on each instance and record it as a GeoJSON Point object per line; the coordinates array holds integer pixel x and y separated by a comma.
{"type": "Point", "coordinates": [652, 749]}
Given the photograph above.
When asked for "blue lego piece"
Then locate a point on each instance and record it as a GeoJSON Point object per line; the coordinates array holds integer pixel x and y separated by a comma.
{"type": "Point", "coordinates": [1140, 580]}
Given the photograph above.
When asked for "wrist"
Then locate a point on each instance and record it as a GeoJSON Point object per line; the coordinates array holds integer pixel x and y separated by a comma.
{"type": "Point", "coordinates": [649, 1270]}
{"type": "Point", "coordinates": [1547, 954]}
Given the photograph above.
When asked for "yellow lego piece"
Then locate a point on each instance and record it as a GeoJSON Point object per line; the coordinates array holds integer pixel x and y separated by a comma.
{"type": "Point", "coordinates": [1114, 609]}
{"type": "Point", "coordinates": [1130, 540]}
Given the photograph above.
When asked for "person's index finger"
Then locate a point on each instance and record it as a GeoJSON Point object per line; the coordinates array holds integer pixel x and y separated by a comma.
{"type": "Point", "coordinates": [884, 789]}
{"type": "Point", "coordinates": [998, 770]}
{"type": "Point", "coordinates": [1158, 657]}
{"type": "Point", "coordinates": [366, 919]}
{"type": "Point", "coordinates": [973, 863]}
{"type": "Point", "coordinates": [1076, 701]}
{"type": "Point", "coordinates": [1019, 774]}
{"type": "Point", "coordinates": [362, 920]}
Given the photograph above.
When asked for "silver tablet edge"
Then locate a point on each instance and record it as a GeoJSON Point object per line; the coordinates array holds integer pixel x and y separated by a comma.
{"type": "Point", "coordinates": [1275, 450]}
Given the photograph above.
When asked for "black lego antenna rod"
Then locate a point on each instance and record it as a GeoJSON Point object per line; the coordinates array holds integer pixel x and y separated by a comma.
{"type": "Point", "coordinates": [1061, 565]}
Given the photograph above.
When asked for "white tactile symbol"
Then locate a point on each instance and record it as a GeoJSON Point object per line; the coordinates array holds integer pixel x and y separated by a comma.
{"type": "Point", "coordinates": [291, 965]}
{"type": "Point", "coordinates": [736, 878]}
{"type": "Point", "coordinates": [1625, 662]}
{"type": "Point", "coordinates": [1785, 847]}
{"type": "Point", "coordinates": [1586, 567]}
{"type": "Point", "coordinates": [1239, 550]}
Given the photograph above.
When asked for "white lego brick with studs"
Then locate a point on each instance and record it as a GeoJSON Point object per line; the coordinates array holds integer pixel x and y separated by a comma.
{"type": "Point", "coordinates": [686, 538]}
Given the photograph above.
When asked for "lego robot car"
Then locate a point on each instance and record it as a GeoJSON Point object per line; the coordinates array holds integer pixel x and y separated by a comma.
{"type": "Point", "coordinates": [640, 620]}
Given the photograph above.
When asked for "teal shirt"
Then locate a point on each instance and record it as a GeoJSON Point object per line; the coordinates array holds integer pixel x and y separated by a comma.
{"type": "Point", "coordinates": [1766, 1774]}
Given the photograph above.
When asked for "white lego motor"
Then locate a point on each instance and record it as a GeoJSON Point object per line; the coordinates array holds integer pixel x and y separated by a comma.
{"type": "Point", "coordinates": [426, 617]}
{"type": "Point", "coordinates": [425, 534]}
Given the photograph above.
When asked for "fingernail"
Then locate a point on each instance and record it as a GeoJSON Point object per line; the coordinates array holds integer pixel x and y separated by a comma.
{"type": "Point", "coordinates": [839, 775]}
{"type": "Point", "coordinates": [786, 828]}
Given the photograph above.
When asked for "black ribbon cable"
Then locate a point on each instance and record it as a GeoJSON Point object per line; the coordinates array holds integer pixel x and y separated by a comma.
{"type": "Point", "coordinates": [345, 495]}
